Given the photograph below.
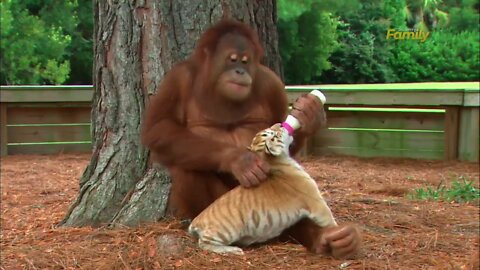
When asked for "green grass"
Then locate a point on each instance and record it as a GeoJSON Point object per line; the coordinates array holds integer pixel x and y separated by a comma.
{"type": "Point", "coordinates": [461, 190]}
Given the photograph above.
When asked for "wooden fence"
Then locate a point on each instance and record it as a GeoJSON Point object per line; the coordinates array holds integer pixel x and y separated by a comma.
{"type": "Point", "coordinates": [413, 120]}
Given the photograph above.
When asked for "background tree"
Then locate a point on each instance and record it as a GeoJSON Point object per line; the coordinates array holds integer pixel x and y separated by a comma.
{"type": "Point", "coordinates": [446, 57]}
{"type": "Point", "coordinates": [463, 15]}
{"type": "Point", "coordinates": [451, 53]}
{"type": "Point", "coordinates": [80, 50]}
{"type": "Point", "coordinates": [307, 36]}
{"type": "Point", "coordinates": [136, 43]}
{"type": "Point", "coordinates": [363, 54]}
{"type": "Point", "coordinates": [425, 15]}
{"type": "Point", "coordinates": [46, 42]}
{"type": "Point", "coordinates": [35, 40]}
{"type": "Point", "coordinates": [320, 41]}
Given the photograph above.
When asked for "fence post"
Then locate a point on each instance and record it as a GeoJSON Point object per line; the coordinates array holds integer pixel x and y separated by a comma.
{"type": "Point", "coordinates": [451, 133]}
{"type": "Point", "coordinates": [469, 134]}
{"type": "Point", "coordinates": [3, 129]}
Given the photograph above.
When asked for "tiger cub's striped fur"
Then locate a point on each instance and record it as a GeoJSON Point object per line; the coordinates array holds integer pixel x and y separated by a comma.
{"type": "Point", "coordinates": [245, 216]}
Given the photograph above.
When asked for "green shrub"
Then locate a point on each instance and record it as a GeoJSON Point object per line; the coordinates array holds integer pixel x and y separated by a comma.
{"type": "Point", "coordinates": [34, 51]}
{"type": "Point", "coordinates": [463, 15]}
{"type": "Point", "coordinates": [461, 190]}
{"type": "Point", "coordinates": [363, 55]}
{"type": "Point", "coordinates": [307, 43]}
{"type": "Point", "coordinates": [444, 56]}
{"type": "Point", "coordinates": [361, 58]}
{"type": "Point", "coordinates": [307, 37]}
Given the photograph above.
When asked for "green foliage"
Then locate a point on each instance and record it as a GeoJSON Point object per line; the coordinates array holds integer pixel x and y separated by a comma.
{"type": "Point", "coordinates": [461, 190]}
{"type": "Point", "coordinates": [56, 72]}
{"type": "Point", "coordinates": [46, 42]}
{"type": "Point", "coordinates": [77, 22]}
{"type": "Point", "coordinates": [451, 52]}
{"type": "Point", "coordinates": [32, 50]}
{"type": "Point", "coordinates": [396, 13]}
{"type": "Point", "coordinates": [429, 193]}
{"type": "Point", "coordinates": [444, 56]}
{"type": "Point", "coordinates": [321, 41]}
{"type": "Point", "coordinates": [306, 49]}
{"type": "Point", "coordinates": [289, 11]}
{"type": "Point", "coordinates": [425, 15]}
{"type": "Point", "coordinates": [81, 48]}
{"type": "Point", "coordinates": [363, 54]}
{"type": "Point", "coordinates": [463, 15]}
{"type": "Point", "coordinates": [307, 37]}
{"type": "Point", "coordinates": [367, 60]}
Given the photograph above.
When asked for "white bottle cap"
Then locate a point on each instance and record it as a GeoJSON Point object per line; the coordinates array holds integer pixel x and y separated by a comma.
{"type": "Point", "coordinates": [320, 96]}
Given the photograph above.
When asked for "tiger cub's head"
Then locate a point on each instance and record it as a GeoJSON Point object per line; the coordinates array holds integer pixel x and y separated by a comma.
{"type": "Point", "coordinates": [273, 141]}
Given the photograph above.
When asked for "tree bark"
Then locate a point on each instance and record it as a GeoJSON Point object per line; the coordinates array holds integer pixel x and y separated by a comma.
{"type": "Point", "coordinates": [136, 43]}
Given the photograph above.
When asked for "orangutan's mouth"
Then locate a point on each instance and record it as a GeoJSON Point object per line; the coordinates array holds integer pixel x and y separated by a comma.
{"type": "Point", "coordinates": [242, 84]}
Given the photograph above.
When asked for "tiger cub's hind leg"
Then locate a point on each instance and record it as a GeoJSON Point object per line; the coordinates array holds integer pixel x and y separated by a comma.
{"type": "Point", "coordinates": [216, 245]}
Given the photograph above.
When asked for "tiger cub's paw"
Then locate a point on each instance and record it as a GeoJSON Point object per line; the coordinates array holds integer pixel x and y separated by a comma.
{"type": "Point", "coordinates": [233, 250]}
{"type": "Point", "coordinates": [222, 249]}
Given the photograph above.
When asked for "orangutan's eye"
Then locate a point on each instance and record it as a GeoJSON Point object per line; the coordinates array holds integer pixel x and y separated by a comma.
{"type": "Point", "coordinates": [244, 59]}
{"type": "Point", "coordinates": [234, 57]}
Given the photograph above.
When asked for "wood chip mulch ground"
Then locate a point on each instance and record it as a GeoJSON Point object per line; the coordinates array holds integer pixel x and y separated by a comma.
{"type": "Point", "coordinates": [398, 232]}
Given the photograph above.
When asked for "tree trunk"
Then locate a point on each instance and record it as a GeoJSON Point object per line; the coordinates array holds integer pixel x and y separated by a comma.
{"type": "Point", "coordinates": [136, 43]}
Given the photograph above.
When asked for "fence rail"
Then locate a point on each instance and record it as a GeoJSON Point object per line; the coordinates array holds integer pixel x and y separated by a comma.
{"type": "Point", "coordinates": [413, 120]}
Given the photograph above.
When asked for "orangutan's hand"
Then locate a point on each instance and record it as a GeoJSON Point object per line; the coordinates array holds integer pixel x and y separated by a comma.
{"type": "Point", "coordinates": [249, 169]}
{"type": "Point", "coordinates": [342, 241]}
{"type": "Point", "coordinates": [310, 113]}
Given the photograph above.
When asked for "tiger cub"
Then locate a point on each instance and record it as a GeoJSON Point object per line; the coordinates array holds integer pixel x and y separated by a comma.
{"type": "Point", "coordinates": [245, 216]}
